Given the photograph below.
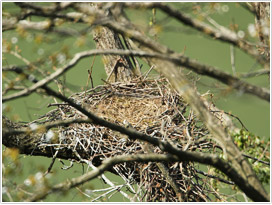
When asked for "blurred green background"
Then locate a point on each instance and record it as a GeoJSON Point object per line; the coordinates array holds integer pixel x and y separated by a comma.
{"type": "Point", "coordinates": [43, 47]}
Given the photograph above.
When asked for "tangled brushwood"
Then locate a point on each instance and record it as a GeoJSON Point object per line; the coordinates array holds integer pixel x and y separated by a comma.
{"type": "Point", "coordinates": [152, 107]}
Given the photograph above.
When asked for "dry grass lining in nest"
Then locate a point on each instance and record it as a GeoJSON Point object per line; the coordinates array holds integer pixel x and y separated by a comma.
{"type": "Point", "coordinates": [151, 107]}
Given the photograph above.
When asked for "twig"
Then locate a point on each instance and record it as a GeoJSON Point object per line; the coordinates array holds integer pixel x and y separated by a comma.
{"type": "Point", "coordinates": [51, 164]}
{"type": "Point", "coordinates": [90, 76]}
{"type": "Point", "coordinates": [56, 104]}
{"type": "Point", "coordinates": [108, 192]}
{"type": "Point", "coordinates": [232, 60]}
{"type": "Point", "coordinates": [45, 126]}
{"type": "Point", "coordinates": [215, 177]}
{"type": "Point", "coordinates": [147, 73]}
{"type": "Point", "coordinates": [256, 159]}
{"type": "Point", "coordinates": [248, 6]}
{"type": "Point", "coordinates": [106, 180]}
{"type": "Point", "coordinates": [65, 167]}
{"type": "Point", "coordinates": [234, 117]}
{"type": "Point", "coordinates": [255, 73]}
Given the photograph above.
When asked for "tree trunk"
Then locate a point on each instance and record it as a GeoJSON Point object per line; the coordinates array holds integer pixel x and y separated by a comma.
{"type": "Point", "coordinates": [118, 68]}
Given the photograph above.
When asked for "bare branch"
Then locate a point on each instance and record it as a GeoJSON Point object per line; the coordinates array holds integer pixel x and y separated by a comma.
{"type": "Point", "coordinates": [255, 73]}
{"type": "Point", "coordinates": [228, 79]}
{"type": "Point", "coordinates": [214, 177]}
{"type": "Point", "coordinates": [258, 160]}
{"type": "Point", "coordinates": [197, 67]}
{"type": "Point", "coordinates": [225, 35]}
{"type": "Point", "coordinates": [248, 6]}
{"type": "Point", "coordinates": [9, 24]}
{"type": "Point", "coordinates": [179, 60]}
{"type": "Point", "coordinates": [186, 156]}
{"type": "Point", "coordinates": [43, 127]}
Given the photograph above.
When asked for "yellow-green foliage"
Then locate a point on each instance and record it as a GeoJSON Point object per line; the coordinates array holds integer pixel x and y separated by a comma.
{"type": "Point", "coordinates": [258, 148]}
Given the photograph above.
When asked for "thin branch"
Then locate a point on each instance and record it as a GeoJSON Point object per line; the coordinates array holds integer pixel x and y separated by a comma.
{"type": "Point", "coordinates": [9, 24]}
{"type": "Point", "coordinates": [248, 6]}
{"type": "Point", "coordinates": [255, 73]}
{"type": "Point", "coordinates": [45, 127]}
{"type": "Point", "coordinates": [6, 90]}
{"type": "Point", "coordinates": [147, 73]}
{"type": "Point", "coordinates": [108, 163]}
{"type": "Point", "coordinates": [232, 60]}
{"type": "Point", "coordinates": [256, 159]}
{"type": "Point", "coordinates": [51, 164]}
{"type": "Point", "coordinates": [223, 35]}
{"type": "Point", "coordinates": [49, 78]}
{"type": "Point", "coordinates": [226, 35]}
{"type": "Point", "coordinates": [195, 66]}
{"type": "Point", "coordinates": [215, 177]}
{"type": "Point", "coordinates": [105, 179]}
{"type": "Point", "coordinates": [234, 117]}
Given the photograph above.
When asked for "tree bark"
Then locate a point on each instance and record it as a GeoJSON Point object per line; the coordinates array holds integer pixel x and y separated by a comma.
{"type": "Point", "coordinates": [118, 68]}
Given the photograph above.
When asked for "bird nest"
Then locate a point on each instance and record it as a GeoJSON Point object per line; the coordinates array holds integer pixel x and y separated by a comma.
{"type": "Point", "coordinates": [152, 107]}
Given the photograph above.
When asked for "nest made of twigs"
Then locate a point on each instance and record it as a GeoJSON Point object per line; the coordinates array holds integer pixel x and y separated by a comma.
{"type": "Point", "coordinates": [152, 107]}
